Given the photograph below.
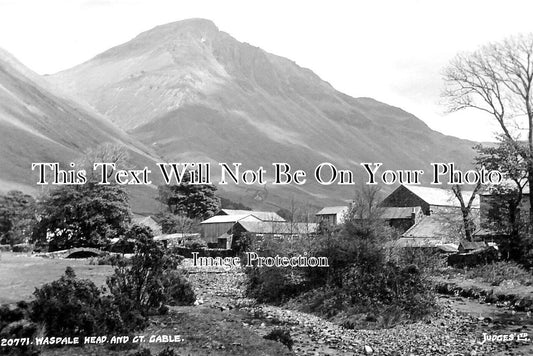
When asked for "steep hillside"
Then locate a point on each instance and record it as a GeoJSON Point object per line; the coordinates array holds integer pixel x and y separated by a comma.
{"type": "Point", "coordinates": [194, 93]}
{"type": "Point", "coordinates": [39, 125]}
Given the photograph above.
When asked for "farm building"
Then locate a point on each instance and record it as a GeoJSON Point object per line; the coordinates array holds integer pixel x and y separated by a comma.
{"type": "Point", "coordinates": [264, 229]}
{"type": "Point", "coordinates": [333, 215]}
{"type": "Point", "coordinates": [469, 246]}
{"type": "Point", "coordinates": [261, 215]}
{"type": "Point", "coordinates": [176, 239]}
{"type": "Point", "coordinates": [431, 244]}
{"type": "Point", "coordinates": [446, 226]}
{"type": "Point", "coordinates": [401, 218]}
{"type": "Point", "coordinates": [428, 198]}
{"type": "Point", "coordinates": [147, 221]}
{"type": "Point", "coordinates": [220, 224]}
{"type": "Point", "coordinates": [274, 228]}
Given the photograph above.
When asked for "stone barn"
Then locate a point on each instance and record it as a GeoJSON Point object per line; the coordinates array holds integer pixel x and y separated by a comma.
{"type": "Point", "coordinates": [218, 225]}
{"type": "Point", "coordinates": [332, 215]}
{"type": "Point", "coordinates": [430, 199]}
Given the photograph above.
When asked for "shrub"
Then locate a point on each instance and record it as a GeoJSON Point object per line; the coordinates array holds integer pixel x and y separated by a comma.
{"type": "Point", "coordinates": [73, 307]}
{"type": "Point", "coordinates": [429, 260]}
{"type": "Point", "coordinates": [167, 352]}
{"type": "Point", "coordinates": [270, 284]}
{"type": "Point", "coordinates": [19, 329]}
{"type": "Point", "coordinates": [274, 284]}
{"type": "Point", "coordinates": [110, 260]}
{"type": "Point", "coordinates": [143, 287]}
{"type": "Point", "coordinates": [178, 290]}
{"type": "Point", "coordinates": [22, 248]}
{"type": "Point", "coordinates": [281, 335]}
{"type": "Point", "coordinates": [360, 277]}
{"type": "Point", "coordinates": [142, 352]}
{"type": "Point", "coordinates": [194, 243]}
{"type": "Point", "coordinates": [497, 272]}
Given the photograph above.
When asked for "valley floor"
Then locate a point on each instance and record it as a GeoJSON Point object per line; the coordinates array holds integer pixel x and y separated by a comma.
{"type": "Point", "coordinates": [226, 323]}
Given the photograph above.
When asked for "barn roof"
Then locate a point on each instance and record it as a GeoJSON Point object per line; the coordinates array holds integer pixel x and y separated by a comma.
{"type": "Point", "coordinates": [439, 226]}
{"type": "Point", "coordinates": [333, 210]}
{"type": "Point", "coordinates": [392, 213]}
{"type": "Point", "coordinates": [178, 235]}
{"type": "Point", "coordinates": [472, 245]}
{"type": "Point", "coordinates": [219, 219]}
{"type": "Point", "coordinates": [262, 215]}
{"type": "Point", "coordinates": [261, 227]}
{"type": "Point", "coordinates": [441, 197]}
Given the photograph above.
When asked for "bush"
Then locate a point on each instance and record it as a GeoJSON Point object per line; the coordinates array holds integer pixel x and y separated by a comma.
{"type": "Point", "coordinates": [497, 272]}
{"type": "Point", "coordinates": [141, 352]}
{"type": "Point", "coordinates": [428, 260]}
{"type": "Point", "coordinates": [178, 290]}
{"type": "Point", "coordinates": [194, 243]}
{"type": "Point", "coordinates": [73, 307]}
{"type": "Point", "coordinates": [270, 284]}
{"type": "Point", "coordinates": [360, 277]}
{"type": "Point", "coordinates": [275, 284]}
{"type": "Point", "coordinates": [22, 248]}
{"type": "Point", "coordinates": [146, 352]}
{"type": "Point", "coordinates": [167, 352]}
{"type": "Point", "coordinates": [109, 260]}
{"type": "Point", "coordinates": [143, 287]}
{"type": "Point", "coordinates": [281, 335]}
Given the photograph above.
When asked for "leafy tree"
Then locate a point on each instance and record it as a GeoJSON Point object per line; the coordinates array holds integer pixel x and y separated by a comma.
{"type": "Point", "coordinates": [195, 201]}
{"type": "Point", "coordinates": [84, 215]}
{"type": "Point", "coordinates": [497, 79]}
{"type": "Point", "coordinates": [172, 224]}
{"type": "Point", "coordinates": [507, 158]}
{"type": "Point", "coordinates": [226, 203]}
{"type": "Point", "coordinates": [466, 208]}
{"type": "Point", "coordinates": [504, 214]}
{"type": "Point", "coordinates": [17, 215]}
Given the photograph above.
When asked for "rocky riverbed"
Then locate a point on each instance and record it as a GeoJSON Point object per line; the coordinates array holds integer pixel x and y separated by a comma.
{"type": "Point", "coordinates": [452, 331]}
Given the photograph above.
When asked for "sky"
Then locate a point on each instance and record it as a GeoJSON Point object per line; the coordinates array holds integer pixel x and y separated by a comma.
{"type": "Point", "coordinates": [393, 51]}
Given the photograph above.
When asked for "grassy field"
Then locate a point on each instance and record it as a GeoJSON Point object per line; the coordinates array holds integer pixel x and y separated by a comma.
{"type": "Point", "coordinates": [20, 274]}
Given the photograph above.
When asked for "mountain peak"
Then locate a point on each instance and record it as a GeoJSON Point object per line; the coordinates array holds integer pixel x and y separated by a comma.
{"type": "Point", "coordinates": [197, 29]}
{"type": "Point", "coordinates": [192, 26]}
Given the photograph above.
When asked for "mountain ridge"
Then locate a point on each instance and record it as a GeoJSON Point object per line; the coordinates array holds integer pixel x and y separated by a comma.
{"type": "Point", "coordinates": [194, 93]}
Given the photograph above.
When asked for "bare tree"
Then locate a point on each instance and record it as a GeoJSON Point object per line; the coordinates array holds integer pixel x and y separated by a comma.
{"type": "Point", "coordinates": [497, 79]}
{"type": "Point", "coordinates": [366, 202]}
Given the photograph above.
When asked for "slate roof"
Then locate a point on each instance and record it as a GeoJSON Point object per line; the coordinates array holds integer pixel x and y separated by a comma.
{"type": "Point", "coordinates": [178, 235]}
{"type": "Point", "coordinates": [391, 213]}
{"type": "Point", "coordinates": [261, 215]}
{"type": "Point", "coordinates": [261, 227]}
{"type": "Point", "coordinates": [472, 245]}
{"type": "Point", "coordinates": [440, 226]}
{"type": "Point", "coordinates": [333, 210]}
{"type": "Point", "coordinates": [441, 197]}
{"type": "Point", "coordinates": [229, 218]}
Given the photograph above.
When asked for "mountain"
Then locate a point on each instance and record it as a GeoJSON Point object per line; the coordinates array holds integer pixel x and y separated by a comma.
{"type": "Point", "coordinates": [39, 124]}
{"type": "Point", "coordinates": [194, 93]}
